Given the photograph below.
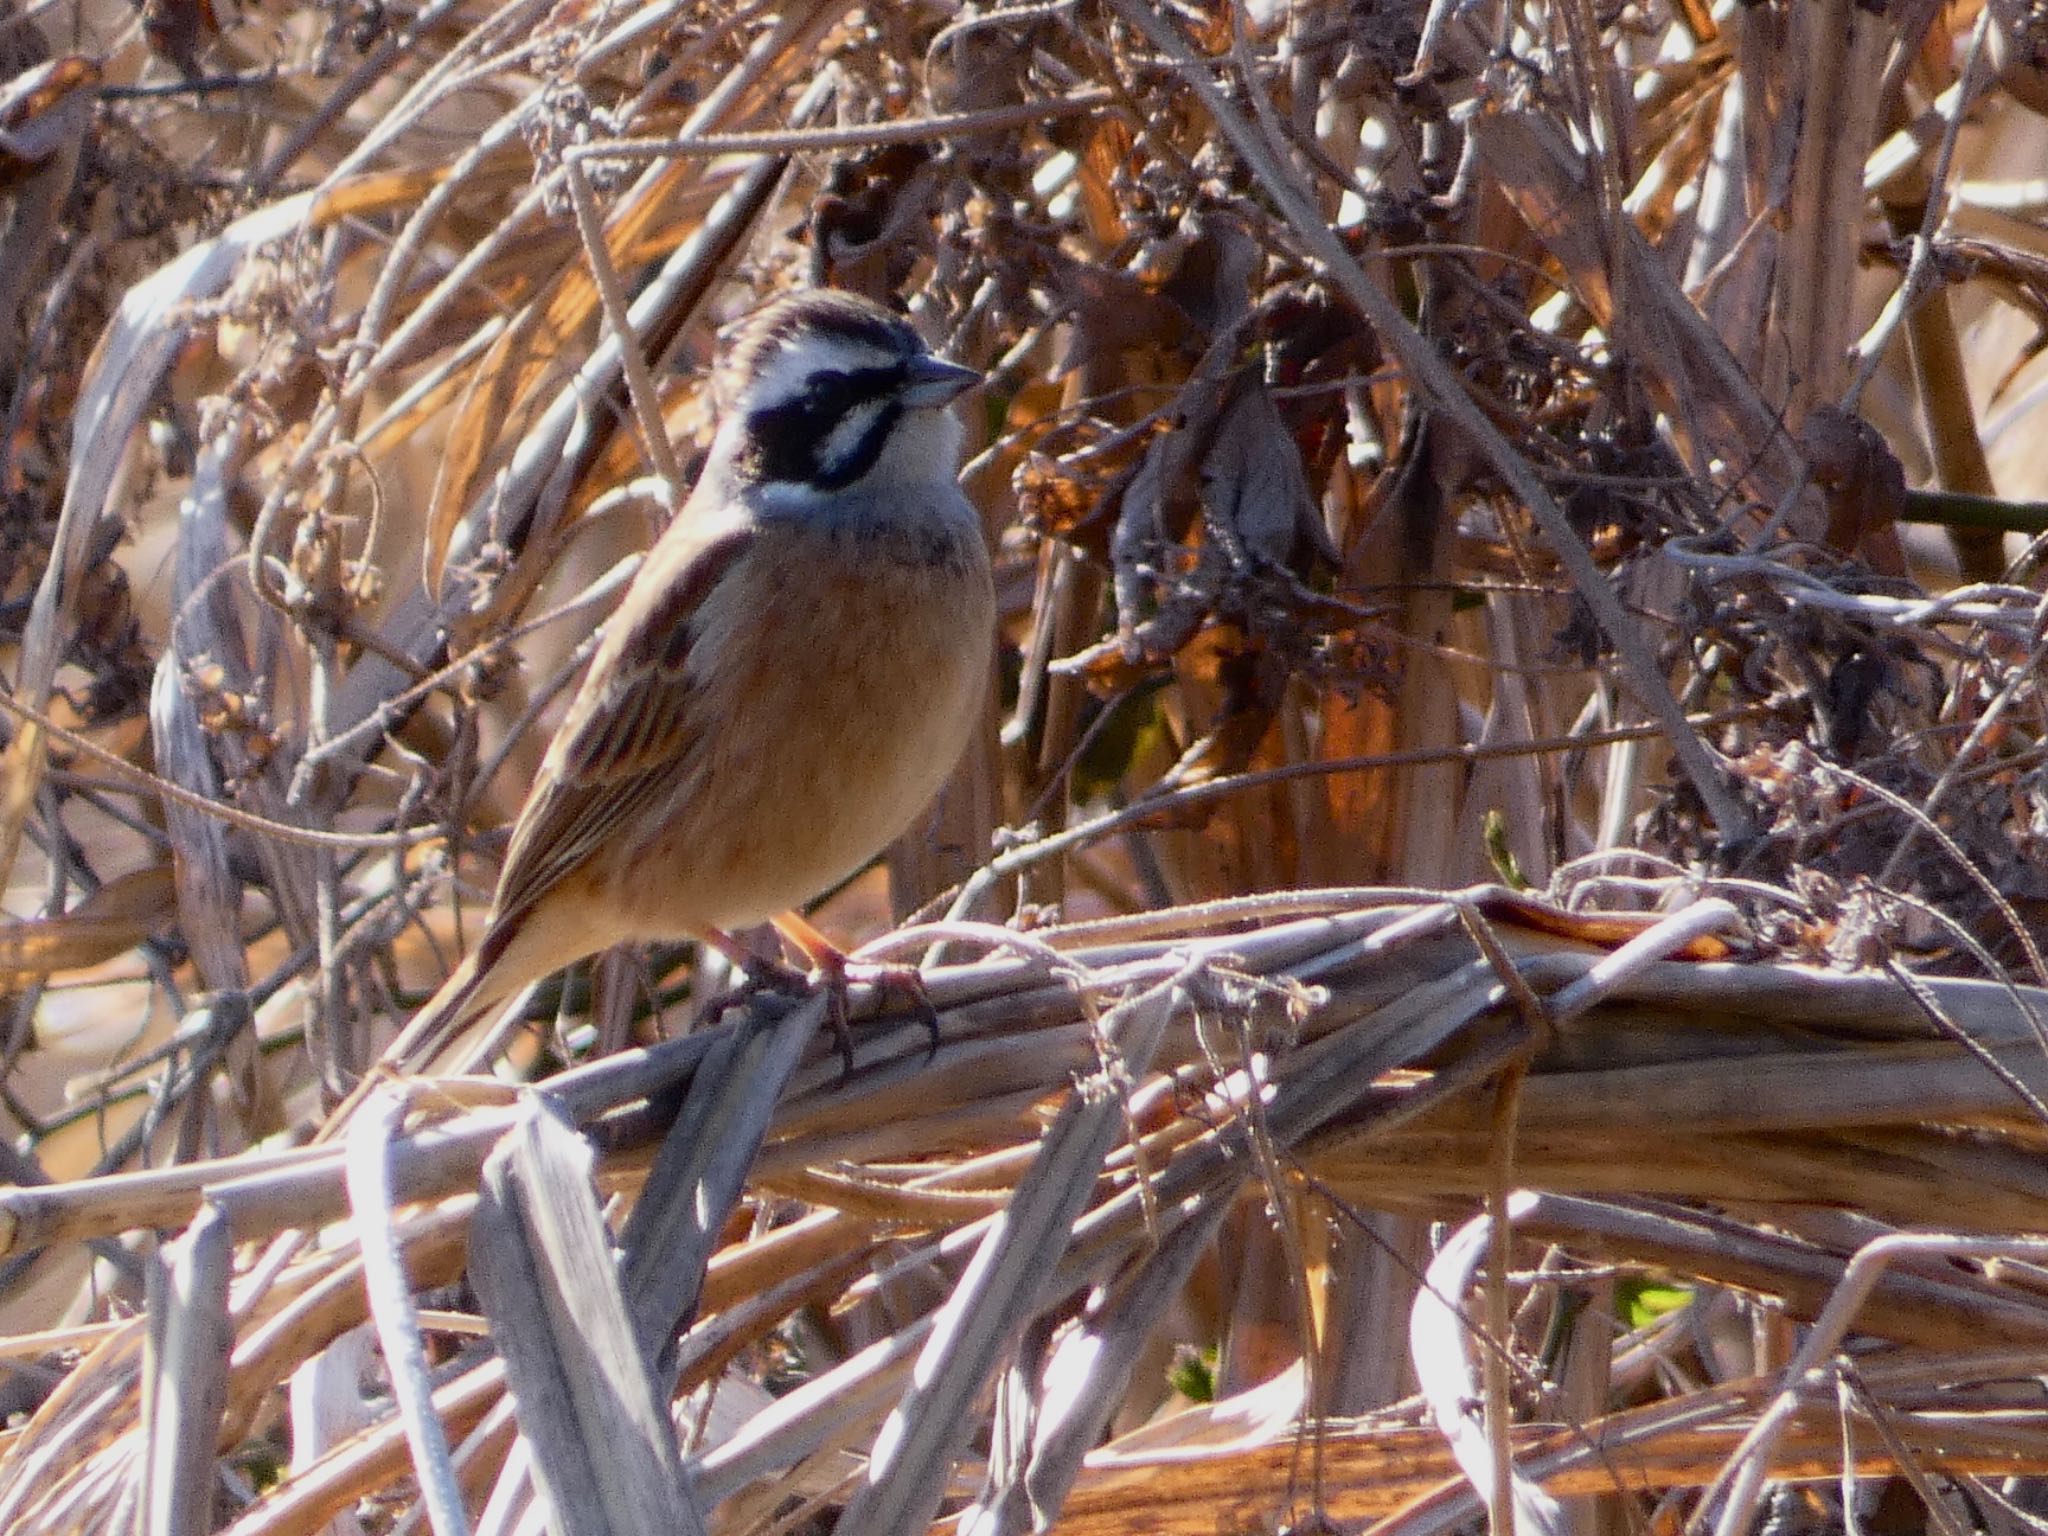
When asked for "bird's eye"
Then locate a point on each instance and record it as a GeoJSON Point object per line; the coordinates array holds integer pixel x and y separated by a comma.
{"type": "Point", "coordinates": [828, 395]}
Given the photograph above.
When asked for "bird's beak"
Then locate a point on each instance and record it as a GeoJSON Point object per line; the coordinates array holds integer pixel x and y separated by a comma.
{"type": "Point", "coordinates": [929, 381]}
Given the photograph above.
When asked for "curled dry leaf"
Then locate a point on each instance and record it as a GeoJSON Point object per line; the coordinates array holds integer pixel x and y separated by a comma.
{"type": "Point", "coordinates": [1254, 491]}
{"type": "Point", "coordinates": [861, 223]}
{"type": "Point", "coordinates": [1216, 521]}
{"type": "Point", "coordinates": [2019, 50]}
{"type": "Point", "coordinates": [1861, 481]}
{"type": "Point", "coordinates": [177, 29]}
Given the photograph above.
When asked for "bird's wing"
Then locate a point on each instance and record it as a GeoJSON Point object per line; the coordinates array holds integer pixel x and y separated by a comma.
{"type": "Point", "coordinates": [628, 734]}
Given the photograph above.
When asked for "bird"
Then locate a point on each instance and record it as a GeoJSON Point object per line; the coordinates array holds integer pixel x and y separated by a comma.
{"type": "Point", "coordinates": [792, 676]}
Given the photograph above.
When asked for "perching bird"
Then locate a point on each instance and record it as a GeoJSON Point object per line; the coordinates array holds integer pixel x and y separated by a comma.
{"type": "Point", "coordinates": [790, 679]}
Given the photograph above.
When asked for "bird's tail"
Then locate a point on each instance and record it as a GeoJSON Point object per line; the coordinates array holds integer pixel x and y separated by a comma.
{"type": "Point", "coordinates": [478, 985]}
{"type": "Point", "coordinates": [441, 1016]}
{"type": "Point", "coordinates": [474, 989]}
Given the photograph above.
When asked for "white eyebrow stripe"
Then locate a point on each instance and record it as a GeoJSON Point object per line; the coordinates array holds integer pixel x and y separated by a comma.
{"type": "Point", "coordinates": [844, 439]}
{"type": "Point", "coordinates": [786, 372]}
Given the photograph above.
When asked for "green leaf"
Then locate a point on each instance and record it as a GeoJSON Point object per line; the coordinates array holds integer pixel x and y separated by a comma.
{"type": "Point", "coordinates": [1193, 1374]}
{"type": "Point", "coordinates": [1641, 1301]}
{"type": "Point", "coordinates": [1493, 831]}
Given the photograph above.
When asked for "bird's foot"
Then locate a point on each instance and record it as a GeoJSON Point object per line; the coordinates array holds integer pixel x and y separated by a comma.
{"type": "Point", "coordinates": [834, 970]}
{"type": "Point", "coordinates": [905, 982]}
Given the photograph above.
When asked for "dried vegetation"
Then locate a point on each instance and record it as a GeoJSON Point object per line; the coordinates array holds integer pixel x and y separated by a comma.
{"type": "Point", "coordinates": [1430, 448]}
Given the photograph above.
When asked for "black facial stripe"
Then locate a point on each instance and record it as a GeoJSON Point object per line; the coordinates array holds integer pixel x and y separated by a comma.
{"type": "Point", "coordinates": [788, 440]}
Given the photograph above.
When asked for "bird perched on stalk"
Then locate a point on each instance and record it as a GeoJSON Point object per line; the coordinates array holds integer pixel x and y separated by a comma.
{"type": "Point", "coordinates": [790, 679]}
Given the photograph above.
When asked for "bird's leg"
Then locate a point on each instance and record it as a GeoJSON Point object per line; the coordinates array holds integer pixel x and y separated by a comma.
{"type": "Point", "coordinates": [836, 971]}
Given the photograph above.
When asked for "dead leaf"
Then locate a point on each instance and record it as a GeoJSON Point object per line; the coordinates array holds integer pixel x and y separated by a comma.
{"type": "Point", "coordinates": [1860, 478]}
{"type": "Point", "coordinates": [43, 112]}
{"type": "Point", "coordinates": [1253, 488]}
{"type": "Point", "coordinates": [1215, 269]}
{"type": "Point", "coordinates": [116, 917]}
{"type": "Point", "coordinates": [1116, 317]}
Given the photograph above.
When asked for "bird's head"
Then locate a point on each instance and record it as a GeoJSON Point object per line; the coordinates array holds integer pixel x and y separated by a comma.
{"type": "Point", "coordinates": [824, 391]}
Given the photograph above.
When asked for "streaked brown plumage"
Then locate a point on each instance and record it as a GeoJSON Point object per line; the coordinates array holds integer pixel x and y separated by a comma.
{"type": "Point", "coordinates": [790, 679]}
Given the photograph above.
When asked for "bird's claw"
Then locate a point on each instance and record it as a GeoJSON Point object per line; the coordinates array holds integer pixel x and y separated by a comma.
{"type": "Point", "coordinates": [837, 976]}
{"type": "Point", "coordinates": [907, 982]}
